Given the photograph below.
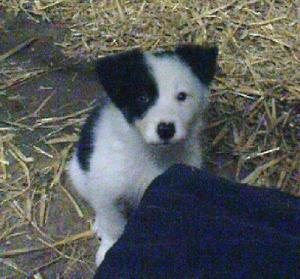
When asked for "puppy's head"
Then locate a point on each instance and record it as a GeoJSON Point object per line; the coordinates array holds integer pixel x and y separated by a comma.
{"type": "Point", "coordinates": [160, 93]}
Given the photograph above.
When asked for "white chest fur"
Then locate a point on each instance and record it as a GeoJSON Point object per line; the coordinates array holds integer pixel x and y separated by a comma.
{"type": "Point", "coordinates": [122, 164]}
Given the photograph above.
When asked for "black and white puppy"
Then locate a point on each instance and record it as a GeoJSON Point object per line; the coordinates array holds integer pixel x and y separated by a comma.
{"type": "Point", "coordinates": [151, 121]}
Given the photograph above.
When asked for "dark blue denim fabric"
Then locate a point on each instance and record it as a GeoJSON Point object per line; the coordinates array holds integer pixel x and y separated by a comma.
{"type": "Point", "coordinates": [191, 224]}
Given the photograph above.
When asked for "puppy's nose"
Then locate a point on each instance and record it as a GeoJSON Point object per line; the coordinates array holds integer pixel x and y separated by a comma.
{"type": "Point", "coordinates": [166, 130]}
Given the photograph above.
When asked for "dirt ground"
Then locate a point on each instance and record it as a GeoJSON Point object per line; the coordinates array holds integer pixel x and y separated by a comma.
{"type": "Point", "coordinates": [44, 225]}
{"type": "Point", "coordinates": [66, 91]}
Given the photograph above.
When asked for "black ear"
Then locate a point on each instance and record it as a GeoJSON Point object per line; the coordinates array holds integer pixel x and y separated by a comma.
{"type": "Point", "coordinates": [125, 77]}
{"type": "Point", "coordinates": [117, 71]}
{"type": "Point", "coordinates": [201, 59]}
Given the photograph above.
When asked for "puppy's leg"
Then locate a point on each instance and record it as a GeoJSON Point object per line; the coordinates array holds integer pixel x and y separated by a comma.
{"type": "Point", "coordinates": [104, 247]}
{"type": "Point", "coordinates": [109, 226]}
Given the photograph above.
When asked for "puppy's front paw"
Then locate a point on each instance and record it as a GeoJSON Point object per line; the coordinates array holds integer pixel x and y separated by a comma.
{"type": "Point", "coordinates": [100, 256]}
{"type": "Point", "coordinates": [105, 245]}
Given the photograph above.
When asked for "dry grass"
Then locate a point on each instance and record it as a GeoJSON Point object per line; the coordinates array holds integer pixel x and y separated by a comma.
{"type": "Point", "coordinates": [254, 119]}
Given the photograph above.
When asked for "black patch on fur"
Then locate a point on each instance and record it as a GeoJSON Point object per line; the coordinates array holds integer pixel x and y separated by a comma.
{"type": "Point", "coordinates": [128, 82]}
{"type": "Point", "coordinates": [85, 143]}
{"type": "Point", "coordinates": [202, 60]}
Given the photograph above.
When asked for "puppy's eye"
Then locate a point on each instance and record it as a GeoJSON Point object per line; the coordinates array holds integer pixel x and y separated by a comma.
{"type": "Point", "coordinates": [143, 99]}
{"type": "Point", "coordinates": [181, 96]}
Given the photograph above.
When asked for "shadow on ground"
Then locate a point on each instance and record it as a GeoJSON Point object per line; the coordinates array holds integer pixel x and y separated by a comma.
{"type": "Point", "coordinates": [61, 91]}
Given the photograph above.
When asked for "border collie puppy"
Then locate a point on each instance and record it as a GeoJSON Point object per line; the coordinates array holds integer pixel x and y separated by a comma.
{"type": "Point", "coordinates": [150, 122]}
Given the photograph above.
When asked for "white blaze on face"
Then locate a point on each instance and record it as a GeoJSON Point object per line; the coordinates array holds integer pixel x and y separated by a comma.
{"type": "Point", "coordinates": [172, 76]}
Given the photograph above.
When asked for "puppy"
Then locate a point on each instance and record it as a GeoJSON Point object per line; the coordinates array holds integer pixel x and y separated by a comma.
{"type": "Point", "coordinates": [151, 121]}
